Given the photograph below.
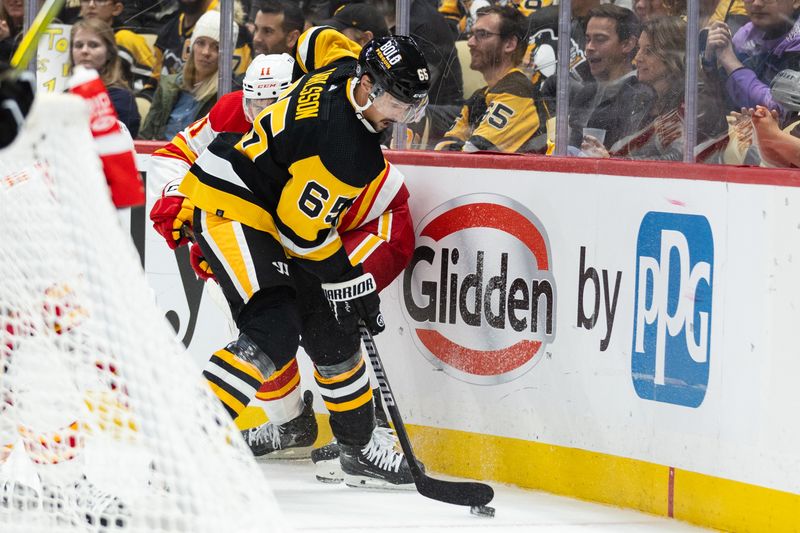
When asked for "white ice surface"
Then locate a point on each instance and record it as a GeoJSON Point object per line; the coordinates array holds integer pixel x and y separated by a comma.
{"type": "Point", "coordinates": [312, 506]}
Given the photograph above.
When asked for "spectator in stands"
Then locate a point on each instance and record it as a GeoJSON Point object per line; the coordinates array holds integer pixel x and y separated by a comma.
{"type": "Point", "coordinates": [316, 10]}
{"type": "Point", "coordinates": [661, 65]}
{"type": "Point", "coordinates": [460, 15]}
{"type": "Point", "coordinates": [172, 45]}
{"type": "Point", "coordinates": [615, 101]}
{"type": "Point", "coordinates": [358, 22]}
{"type": "Point", "coordinates": [146, 16]}
{"type": "Point", "coordinates": [185, 97]}
{"type": "Point", "coordinates": [455, 13]}
{"type": "Point", "coordinates": [650, 9]}
{"type": "Point", "coordinates": [12, 14]}
{"type": "Point", "coordinates": [136, 55]}
{"type": "Point", "coordinates": [92, 45]}
{"type": "Point", "coordinates": [543, 33]}
{"type": "Point", "coordinates": [529, 7]}
{"type": "Point", "coordinates": [70, 12]}
{"type": "Point", "coordinates": [541, 63]}
{"type": "Point", "coordinates": [731, 12]}
{"type": "Point", "coordinates": [278, 25]}
{"type": "Point", "coordinates": [500, 116]}
{"type": "Point", "coordinates": [105, 10]}
{"type": "Point", "coordinates": [747, 61]}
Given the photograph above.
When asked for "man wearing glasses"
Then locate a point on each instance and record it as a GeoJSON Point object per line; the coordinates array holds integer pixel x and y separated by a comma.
{"type": "Point", "coordinates": [500, 116]}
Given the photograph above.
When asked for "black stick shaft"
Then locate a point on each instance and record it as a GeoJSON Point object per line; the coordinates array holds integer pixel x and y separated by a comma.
{"type": "Point", "coordinates": [388, 400]}
{"type": "Point", "coordinates": [456, 492]}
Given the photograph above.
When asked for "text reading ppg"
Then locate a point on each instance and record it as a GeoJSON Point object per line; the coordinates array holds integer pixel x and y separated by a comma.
{"type": "Point", "coordinates": [671, 350]}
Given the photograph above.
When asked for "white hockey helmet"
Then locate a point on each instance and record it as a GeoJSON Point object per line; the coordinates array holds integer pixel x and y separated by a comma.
{"type": "Point", "coordinates": [266, 78]}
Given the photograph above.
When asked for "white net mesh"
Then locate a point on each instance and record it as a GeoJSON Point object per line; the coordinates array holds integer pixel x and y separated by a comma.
{"type": "Point", "coordinates": [105, 422]}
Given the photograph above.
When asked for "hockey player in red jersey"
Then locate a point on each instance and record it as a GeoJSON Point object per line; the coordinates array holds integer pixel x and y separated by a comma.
{"type": "Point", "coordinates": [376, 232]}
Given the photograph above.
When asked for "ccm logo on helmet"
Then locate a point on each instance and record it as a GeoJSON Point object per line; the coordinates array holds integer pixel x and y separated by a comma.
{"type": "Point", "coordinates": [479, 294]}
{"type": "Point", "coordinates": [389, 54]}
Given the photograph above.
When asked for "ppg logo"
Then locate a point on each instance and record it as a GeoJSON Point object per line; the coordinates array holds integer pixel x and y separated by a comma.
{"type": "Point", "coordinates": [672, 319]}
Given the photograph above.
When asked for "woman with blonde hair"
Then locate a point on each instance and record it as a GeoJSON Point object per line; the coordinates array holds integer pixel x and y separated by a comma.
{"type": "Point", "coordinates": [188, 95]}
{"type": "Point", "coordinates": [92, 45]}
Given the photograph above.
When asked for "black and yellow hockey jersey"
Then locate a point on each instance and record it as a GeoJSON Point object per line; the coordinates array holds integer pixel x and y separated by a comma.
{"type": "Point", "coordinates": [455, 13]}
{"type": "Point", "coordinates": [529, 7]}
{"type": "Point", "coordinates": [296, 172]}
{"type": "Point", "coordinates": [501, 119]}
{"type": "Point", "coordinates": [134, 50]}
{"type": "Point", "coordinates": [322, 46]}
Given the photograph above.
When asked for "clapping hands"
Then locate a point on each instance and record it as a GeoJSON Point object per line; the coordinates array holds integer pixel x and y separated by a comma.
{"type": "Point", "coordinates": [719, 47]}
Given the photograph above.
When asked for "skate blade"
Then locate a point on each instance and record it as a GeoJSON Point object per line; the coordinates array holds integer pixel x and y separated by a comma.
{"type": "Point", "coordinates": [329, 480]}
{"type": "Point", "coordinates": [329, 471]}
{"type": "Point", "coordinates": [289, 454]}
{"type": "Point", "coordinates": [364, 482]}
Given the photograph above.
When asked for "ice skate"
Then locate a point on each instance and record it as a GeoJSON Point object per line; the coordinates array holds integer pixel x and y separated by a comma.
{"type": "Point", "coordinates": [377, 464]}
{"type": "Point", "coordinates": [326, 462]}
{"type": "Point", "coordinates": [292, 440]}
{"type": "Point", "coordinates": [326, 458]}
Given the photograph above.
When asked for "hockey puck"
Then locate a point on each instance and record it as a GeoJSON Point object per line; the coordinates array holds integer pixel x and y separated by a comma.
{"type": "Point", "coordinates": [482, 510]}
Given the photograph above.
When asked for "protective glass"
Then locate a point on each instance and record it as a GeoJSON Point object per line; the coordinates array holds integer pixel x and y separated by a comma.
{"type": "Point", "coordinates": [254, 106]}
{"type": "Point", "coordinates": [392, 108]}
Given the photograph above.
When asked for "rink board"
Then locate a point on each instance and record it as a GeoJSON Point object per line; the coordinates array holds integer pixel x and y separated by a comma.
{"type": "Point", "coordinates": [644, 353]}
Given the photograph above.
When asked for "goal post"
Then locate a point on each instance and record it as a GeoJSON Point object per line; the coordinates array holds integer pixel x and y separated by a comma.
{"type": "Point", "coordinates": [105, 422]}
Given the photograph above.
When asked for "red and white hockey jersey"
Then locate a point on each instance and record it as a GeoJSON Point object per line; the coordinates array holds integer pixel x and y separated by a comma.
{"type": "Point", "coordinates": [173, 160]}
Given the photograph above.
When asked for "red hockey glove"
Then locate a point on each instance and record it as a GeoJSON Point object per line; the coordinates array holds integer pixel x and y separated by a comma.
{"type": "Point", "coordinates": [199, 263]}
{"type": "Point", "coordinates": [170, 213]}
{"type": "Point", "coordinates": [354, 297]}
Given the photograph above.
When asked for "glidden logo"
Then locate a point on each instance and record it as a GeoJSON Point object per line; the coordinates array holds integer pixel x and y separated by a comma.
{"type": "Point", "coordinates": [479, 293]}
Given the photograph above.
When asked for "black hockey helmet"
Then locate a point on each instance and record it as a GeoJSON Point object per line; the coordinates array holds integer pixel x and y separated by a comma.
{"type": "Point", "coordinates": [396, 64]}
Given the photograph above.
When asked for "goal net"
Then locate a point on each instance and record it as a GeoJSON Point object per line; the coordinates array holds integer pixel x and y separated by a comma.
{"type": "Point", "coordinates": [105, 422]}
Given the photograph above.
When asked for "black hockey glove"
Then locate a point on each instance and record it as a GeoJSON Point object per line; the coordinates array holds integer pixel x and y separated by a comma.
{"type": "Point", "coordinates": [355, 297]}
{"type": "Point", "coordinates": [16, 96]}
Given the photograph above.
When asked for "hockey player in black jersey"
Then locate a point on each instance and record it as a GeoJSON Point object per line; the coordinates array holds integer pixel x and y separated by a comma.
{"type": "Point", "coordinates": [266, 210]}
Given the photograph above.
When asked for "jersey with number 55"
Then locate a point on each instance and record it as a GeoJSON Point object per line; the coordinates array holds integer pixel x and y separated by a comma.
{"type": "Point", "coordinates": [500, 119]}
{"type": "Point", "coordinates": [296, 172]}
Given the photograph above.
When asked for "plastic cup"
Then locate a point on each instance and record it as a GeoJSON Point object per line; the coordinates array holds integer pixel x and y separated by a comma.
{"type": "Point", "coordinates": [597, 133]}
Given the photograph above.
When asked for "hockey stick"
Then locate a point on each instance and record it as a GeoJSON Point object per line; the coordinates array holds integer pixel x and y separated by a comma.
{"type": "Point", "coordinates": [30, 40]}
{"type": "Point", "coordinates": [456, 492]}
